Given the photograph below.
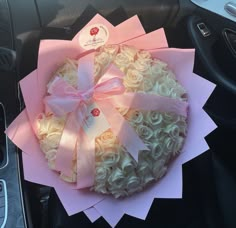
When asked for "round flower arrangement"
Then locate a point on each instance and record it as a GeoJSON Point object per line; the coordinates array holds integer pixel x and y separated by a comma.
{"type": "Point", "coordinates": [116, 171]}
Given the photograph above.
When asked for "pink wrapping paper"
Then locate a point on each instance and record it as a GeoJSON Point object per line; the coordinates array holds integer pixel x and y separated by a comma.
{"type": "Point", "coordinates": [51, 54]}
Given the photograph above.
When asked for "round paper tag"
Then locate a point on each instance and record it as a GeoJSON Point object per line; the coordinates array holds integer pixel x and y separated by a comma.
{"type": "Point", "coordinates": [93, 36]}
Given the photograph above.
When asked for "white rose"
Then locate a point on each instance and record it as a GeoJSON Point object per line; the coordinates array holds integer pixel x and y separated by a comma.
{"type": "Point", "coordinates": [164, 90]}
{"type": "Point", "coordinates": [116, 179]}
{"type": "Point", "coordinates": [144, 55]}
{"type": "Point", "coordinates": [44, 145]}
{"type": "Point", "coordinates": [49, 124]}
{"type": "Point", "coordinates": [161, 64]}
{"type": "Point", "coordinates": [100, 188]}
{"type": "Point", "coordinates": [156, 150]}
{"type": "Point", "coordinates": [127, 164]}
{"type": "Point", "coordinates": [143, 168]}
{"type": "Point", "coordinates": [54, 139]}
{"type": "Point", "coordinates": [171, 145]}
{"type": "Point", "coordinates": [170, 82]}
{"type": "Point", "coordinates": [68, 71]}
{"type": "Point", "coordinates": [98, 148]}
{"type": "Point", "coordinates": [102, 173]}
{"type": "Point", "coordinates": [141, 65]}
{"type": "Point", "coordinates": [154, 118]}
{"type": "Point", "coordinates": [159, 169]}
{"type": "Point", "coordinates": [133, 79]}
{"type": "Point", "coordinates": [134, 116]}
{"type": "Point", "coordinates": [122, 111]}
{"type": "Point", "coordinates": [129, 51]}
{"type": "Point", "coordinates": [51, 157]}
{"type": "Point", "coordinates": [145, 173]}
{"type": "Point", "coordinates": [182, 126]}
{"type": "Point", "coordinates": [118, 193]}
{"type": "Point", "coordinates": [179, 146]}
{"type": "Point", "coordinates": [111, 49]}
{"type": "Point", "coordinates": [156, 71]}
{"type": "Point", "coordinates": [147, 84]}
{"type": "Point", "coordinates": [170, 118]}
{"type": "Point", "coordinates": [158, 133]}
{"type": "Point", "coordinates": [122, 61]}
{"type": "Point", "coordinates": [144, 132]}
{"type": "Point", "coordinates": [103, 59]}
{"type": "Point", "coordinates": [133, 183]}
{"type": "Point", "coordinates": [70, 179]}
{"type": "Point", "coordinates": [96, 70]}
{"type": "Point", "coordinates": [107, 139]}
{"type": "Point", "coordinates": [110, 158]}
{"type": "Point", "coordinates": [172, 130]}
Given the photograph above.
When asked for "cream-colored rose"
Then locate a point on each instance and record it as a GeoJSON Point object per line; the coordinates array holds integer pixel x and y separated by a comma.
{"type": "Point", "coordinates": [102, 173]}
{"type": "Point", "coordinates": [172, 130]}
{"type": "Point", "coordinates": [127, 164]}
{"type": "Point", "coordinates": [133, 183]}
{"type": "Point", "coordinates": [68, 71]}
{"type": "Point", "coordinates": [49, 124]}
{"type": "Point", "coordinates": [111, 49]}
{"type": "Point", "coordinates": [158, 132]}
{"type": "Point", "coordinates": [70, 179]}
{"type": "Point", "coordinates": [145, 172]}
{"type": "Point", "coordinates": [122, 61]}
{"type": "Point", "coordinates": [134, 116]}
{"type": "Point", "coordinates": [103, 58]}
{"type": "Point", "coordinates": [110, 157]}
{"type": "Point", "coordinates": [145, 55]}
{"type": "Point", "coordinates": [71, 79]}
{"type": "Point", "coordinates": [141, 65]}
{"type": "Point", "coordinates": [116, 179]}
{"type": "Point", "coordinates": [182, 126]}
{"type": "Point", "coordinates": [162, 65]}
{"type": "Point", "coordinates": [129, 51]}
{"type": "Point", "coordinates": [107, 139]}
{"type": "Point", "coordinates": [154, 118]}
{"type": "Point", "coordinates": [51, 155]}
{"type": "Point", "coordinates": [101, 188]}
{"type": "Point", "coordinates": [147, 85]}
{"type": "Point", "coordinates": [144, 132]}
{"type": "Point", "coordinates": [155, 88]}
{"type": "Point", "coordinates": [133, 79]}
{"type": "Point", "coordinates": [170, 82]}
{"type": "Point", "coordinates": [156, 150]}
{"type": "Point", "coordinates": [54, 139]}
{"type": "Point", "coordinates": [96, 70]}
{"type": "Point", "coordinates": [156, 71]}
{"type": "Point", "coordinates": [143, 167]}
{"type": "Point", "coordinates": [179, 144]}
{"type": "Point", "coordinates": [171, 145]}
{"type": "Point", "coordinates": [164, 90]}
{"type": "Point", "coordinates": [159, 169]}
{"type": "Point", "coordinates": [122, 111]}
{"type": "Point", "coordinates": [119, 193]}
{"type": "Point", "coordinates": [170, 118]}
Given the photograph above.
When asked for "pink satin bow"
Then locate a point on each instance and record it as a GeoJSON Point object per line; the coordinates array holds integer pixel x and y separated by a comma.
{"type": "Point", "coordinates": [108, 94]}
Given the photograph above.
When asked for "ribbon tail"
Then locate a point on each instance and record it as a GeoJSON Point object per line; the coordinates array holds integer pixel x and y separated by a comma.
{"type": "Point", "coordinates": [121, 128]}
{"type": "Point", "coordinates": [85, 161]}
{"type": "Point", "coordinates": [149, 102]}
{"type": "Point", "coordinates": [66, 149]}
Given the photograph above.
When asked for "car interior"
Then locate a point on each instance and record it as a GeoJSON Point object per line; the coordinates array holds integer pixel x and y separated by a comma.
{"type": "Point", "coordinates": [209, 180]}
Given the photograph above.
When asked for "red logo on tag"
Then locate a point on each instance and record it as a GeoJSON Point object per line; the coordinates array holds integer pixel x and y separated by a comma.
{"type": "Point", "coordinates": [95, 112]}
{"type": "Point", "coordinates": [94, 31]}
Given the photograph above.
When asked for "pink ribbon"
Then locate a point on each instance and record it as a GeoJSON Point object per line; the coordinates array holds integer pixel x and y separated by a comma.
{"type": "Point", "coordinates": [108, 94]}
